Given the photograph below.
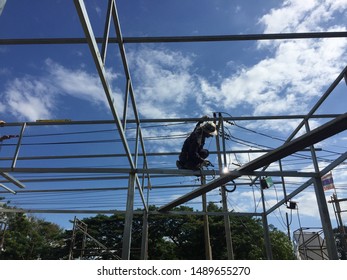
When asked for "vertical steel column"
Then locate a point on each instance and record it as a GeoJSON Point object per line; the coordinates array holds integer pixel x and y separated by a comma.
{"type": "Point", "coordinates": [325, 219]}
{"type": "Point", "coordinates": [285, 198]}
{"type": "Point", "coordinates": [227, 224]}
{"type": "Point", "coordinates": [18, 146]}
{"type": "Point", "coordinates": [144, 241]}
{"type": "Point", "coordinates": [208, 248]}
{"type": "Point", "coordinates": [322, 206]}
{"type": "Point", "coordinates": [228, 237]}
{"type": "Point", "coordinates": [128, 225]}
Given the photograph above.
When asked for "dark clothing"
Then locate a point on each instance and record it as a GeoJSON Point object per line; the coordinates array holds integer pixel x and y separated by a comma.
{"type": "Point", "coordinates": [193, 154]}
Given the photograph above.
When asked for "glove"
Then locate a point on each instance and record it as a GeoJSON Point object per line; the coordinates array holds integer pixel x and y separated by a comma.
{"type": "Point", "coordinates": [207, 163]}
{"type": "Point", "coordinates": [5, 137]}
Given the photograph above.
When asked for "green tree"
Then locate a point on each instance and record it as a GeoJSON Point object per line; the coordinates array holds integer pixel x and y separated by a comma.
{"type": "Point", "coordinates": [282, 248]}
{"type": "Point", "coordinates": [182, 236]}
{"type": "Point", "coordinates": [29, 238]}
{"type": "Point", "coordinates": [169, 237]}
{"type": "Point", "coordinates": [341, 243]}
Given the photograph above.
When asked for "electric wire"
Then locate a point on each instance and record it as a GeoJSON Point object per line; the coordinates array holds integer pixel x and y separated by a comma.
{"type": "Point", "coordinates": [95, 201]}
{"type": "Point", "coordinates": [251, 144]}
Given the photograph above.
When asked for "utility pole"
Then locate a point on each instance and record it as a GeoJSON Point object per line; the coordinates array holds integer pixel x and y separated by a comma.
{"type": "Point", "coordinates": [337, 209]}
{"type": "Point", "coordinates": [266, 228]}
{"type": "Point", "coordinates": [288, 228]}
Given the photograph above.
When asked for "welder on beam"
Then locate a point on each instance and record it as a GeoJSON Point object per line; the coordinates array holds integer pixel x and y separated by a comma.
{"type": "Point", "coordinates": [193, 155]}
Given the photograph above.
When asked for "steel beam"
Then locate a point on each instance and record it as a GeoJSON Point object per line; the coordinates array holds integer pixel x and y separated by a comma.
{"type": "Point", "coordinates": [179, 39]}
{"type": "Point", "coordinates": [140, 154]}
{"type": "Point", "coordinates": [178, 172]}
{"type": "Point", "coordinates": [327, 130]}
{"type": "Point", "coordinates": [129, 213]}
{"type": "Point", "coordinates": [11, 179]}
{"type": "Point", "coordinates": [8, 189]}
{"type": "Point", "coordinates": [169, 120]}
{"type": "Point", "coordinates": [18, 146]}
{"type": "Point", "coordinates": [136, 212]}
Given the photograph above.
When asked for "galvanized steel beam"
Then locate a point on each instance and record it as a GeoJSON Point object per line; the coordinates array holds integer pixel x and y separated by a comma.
{"type": "Point", "coordinates": [180, 172]}
{"type": "Point", "coordinates": [179, 39]}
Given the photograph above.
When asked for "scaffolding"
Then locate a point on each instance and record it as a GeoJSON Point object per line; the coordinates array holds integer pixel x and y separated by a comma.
{"type": "Point", "coordinates": [85, 252]}
{"type": "Point", "coordinates": [310, 244]}
{"type": "Point", "coordinates": [137, 181]}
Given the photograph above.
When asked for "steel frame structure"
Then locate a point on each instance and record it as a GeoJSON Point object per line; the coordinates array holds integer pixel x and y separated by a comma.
{"type": "Point", "coordinates": [138, 176]}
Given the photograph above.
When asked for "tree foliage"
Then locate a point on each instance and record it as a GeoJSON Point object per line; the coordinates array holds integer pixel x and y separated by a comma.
{"type": "Point", "coordinates": [30, 238]}
{"type": "Point", "coordinates": [169, 237]}
{"type": "Point", "coordinates": [182, 236]}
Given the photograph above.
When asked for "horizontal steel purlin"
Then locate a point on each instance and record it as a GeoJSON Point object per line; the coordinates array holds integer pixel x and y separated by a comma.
{"type": "Point", "coordinates": [120, 212]}
{"type": "Point", "coordinates": [181, 172]}
{"type": "Point", "coordinates": [178, 39]}
{"type": "Point", "coordinates": [167, 120]}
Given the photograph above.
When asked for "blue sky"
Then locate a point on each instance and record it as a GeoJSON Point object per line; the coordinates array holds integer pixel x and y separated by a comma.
{"type": "Point", "coordinates": [172, 80]}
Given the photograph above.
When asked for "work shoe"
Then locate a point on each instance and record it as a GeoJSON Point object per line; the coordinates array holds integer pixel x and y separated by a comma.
{"type": "Point", "coordinates": [178, 164]}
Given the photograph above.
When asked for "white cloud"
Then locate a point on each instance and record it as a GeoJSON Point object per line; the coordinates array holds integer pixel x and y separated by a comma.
{"type": "Point", "coordinates": [76, 83]}
{"type": "Point", "coordinates": [163, 81]}
{"type": "Point", "coordinates": [288, 17]}
{"type": "Point", "coordinates": [296, 72]}
{"type": "Point", "coordinates": [285, 83]}
{"type": "Point", "coordinates": [36, 97]}
{"type": "Point", "coordinates": [29, 99]}
{"type": "Point", "coordinates": [165, 84]}
{"type": "Point", "coordinates": [301, 16]}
